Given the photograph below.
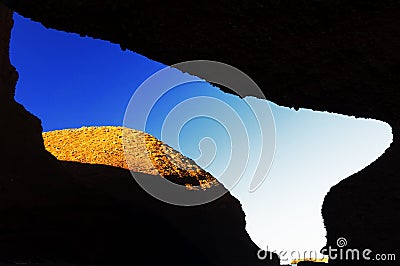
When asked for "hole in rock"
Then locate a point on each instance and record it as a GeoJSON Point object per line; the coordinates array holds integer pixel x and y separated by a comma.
{"type": "Point", "coordinates": [69, 82]}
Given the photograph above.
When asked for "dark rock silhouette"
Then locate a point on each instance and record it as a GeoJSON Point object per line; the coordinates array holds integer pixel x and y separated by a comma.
{"type": "Point", "coordinates": [56, 212]}
{"type": "Point", "coordinates": [117, 222]}
{"type": "Point", "coordinates": [334, 55]}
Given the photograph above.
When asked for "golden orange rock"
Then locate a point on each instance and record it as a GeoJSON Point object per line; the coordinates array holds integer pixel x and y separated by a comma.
{"type": "Point", "coordinates": [126, 148]}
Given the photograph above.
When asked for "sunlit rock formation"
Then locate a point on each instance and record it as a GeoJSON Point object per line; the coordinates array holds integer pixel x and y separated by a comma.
{"type": "Point", "coordinates": [105, 145]}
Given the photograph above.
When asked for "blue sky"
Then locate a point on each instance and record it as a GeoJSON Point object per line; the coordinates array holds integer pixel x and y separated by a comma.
{"type": "Point", "coordinates": [69, 81]}
{"type": "Point", "coordinates": [82, 81]}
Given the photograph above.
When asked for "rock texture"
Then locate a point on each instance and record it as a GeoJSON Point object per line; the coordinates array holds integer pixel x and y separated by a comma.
{"type": "Point", "coordinates": [129, 149]}
{"type": "Point", "coordinates": [333, 55]}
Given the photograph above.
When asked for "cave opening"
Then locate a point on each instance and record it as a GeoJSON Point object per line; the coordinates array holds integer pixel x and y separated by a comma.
{"type": "Point", "coordinates": [69, 81]}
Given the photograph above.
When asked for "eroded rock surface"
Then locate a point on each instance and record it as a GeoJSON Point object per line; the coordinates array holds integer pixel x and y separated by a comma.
{"type": "Point", "coordinates": [126, 148]}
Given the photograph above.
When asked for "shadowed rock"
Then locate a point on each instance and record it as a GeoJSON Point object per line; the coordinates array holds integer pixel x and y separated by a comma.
{"type": "Point", "coordinates": [340, 56]}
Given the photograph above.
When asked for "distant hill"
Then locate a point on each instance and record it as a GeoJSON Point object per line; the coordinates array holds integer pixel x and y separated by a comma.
{"type": "Point", "coordinates": [129, 149]}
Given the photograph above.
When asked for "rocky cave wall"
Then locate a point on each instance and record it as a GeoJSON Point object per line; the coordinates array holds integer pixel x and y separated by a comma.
{"type": "Point", "coordinates": [339, 56]}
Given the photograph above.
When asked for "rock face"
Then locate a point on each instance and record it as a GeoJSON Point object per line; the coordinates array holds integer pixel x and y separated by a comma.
{"type": "Point", "coordinates": [339, 56]}
{"type": "Point", "coordinates": [129, 149]}
{"type": "Point", "coordinates": [28, 158]}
